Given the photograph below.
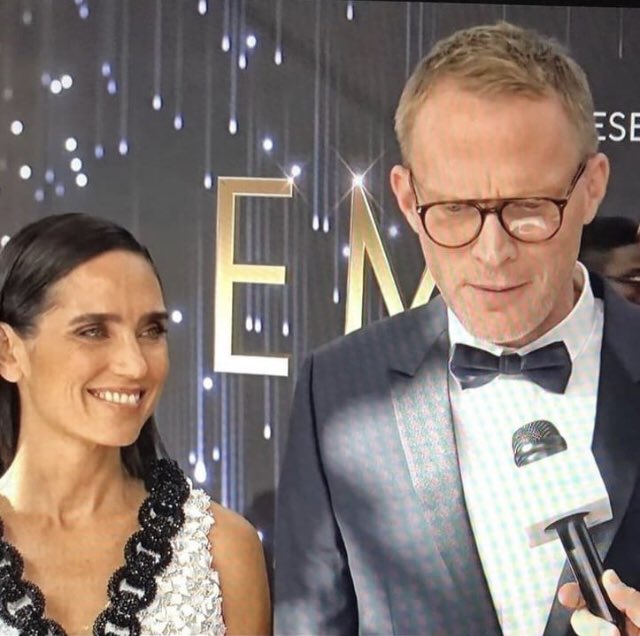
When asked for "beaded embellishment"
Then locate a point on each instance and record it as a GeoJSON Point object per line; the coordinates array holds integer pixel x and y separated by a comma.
{"type": "Point", "coordinates": [131, 588]}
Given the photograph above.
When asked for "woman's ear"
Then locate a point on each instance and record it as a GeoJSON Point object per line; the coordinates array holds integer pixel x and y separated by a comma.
{"type": "Point", "coordinates": [11, 347]}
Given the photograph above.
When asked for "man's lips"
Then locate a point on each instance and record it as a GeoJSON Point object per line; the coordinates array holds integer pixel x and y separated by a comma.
{"type": "Point", "coordinates": [492, 287]}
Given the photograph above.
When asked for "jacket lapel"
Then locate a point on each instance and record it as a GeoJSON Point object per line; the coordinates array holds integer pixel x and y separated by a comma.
{"type": "Point", "coordinates": [423, 412]}
{"type": "Point", "coordinates": [616, 437]}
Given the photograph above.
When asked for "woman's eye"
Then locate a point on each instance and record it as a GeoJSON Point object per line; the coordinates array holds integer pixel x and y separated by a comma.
{"type": "Point", "coordinates": [95, 331]}
{"type": "Point", "coordinates": [154, 331]}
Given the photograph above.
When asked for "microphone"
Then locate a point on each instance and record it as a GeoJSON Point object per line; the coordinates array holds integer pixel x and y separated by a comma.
{"type": "Point", "coordinates": [563, 496]}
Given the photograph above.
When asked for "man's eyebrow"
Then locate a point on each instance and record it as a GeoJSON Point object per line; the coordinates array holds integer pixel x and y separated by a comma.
{"type": "Point", "coordinates": [161, 316]}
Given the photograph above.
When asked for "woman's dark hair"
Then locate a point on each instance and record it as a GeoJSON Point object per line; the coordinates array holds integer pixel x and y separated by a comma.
{"type": "Point", "coordinates": [36, 258]}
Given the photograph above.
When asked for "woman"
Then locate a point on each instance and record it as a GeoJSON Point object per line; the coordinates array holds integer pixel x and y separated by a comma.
{"type": "Point", "coordinates": [97, 535]}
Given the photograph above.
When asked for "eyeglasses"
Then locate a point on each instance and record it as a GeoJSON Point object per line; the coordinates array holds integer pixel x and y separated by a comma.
{"type": "Point", "coordinates": [526, 219]}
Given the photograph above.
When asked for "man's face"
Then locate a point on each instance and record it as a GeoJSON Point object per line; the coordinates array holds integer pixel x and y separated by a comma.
{"type": "Point", "coordinates": [622, 268]}
{"type": "Point", "coordinates": [467, 146]}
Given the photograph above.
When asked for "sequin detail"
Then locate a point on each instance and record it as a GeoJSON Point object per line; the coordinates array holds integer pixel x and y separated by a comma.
{"type": "Point", "coordinates": [189, 599]}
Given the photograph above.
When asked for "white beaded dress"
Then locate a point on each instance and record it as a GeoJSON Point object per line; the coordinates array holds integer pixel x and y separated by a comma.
{"type": "Point", "coordinates": [188, 600]}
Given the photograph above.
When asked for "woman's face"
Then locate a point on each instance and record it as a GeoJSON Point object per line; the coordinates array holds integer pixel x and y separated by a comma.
{"type": "Point", "coordinates": [97, 363]}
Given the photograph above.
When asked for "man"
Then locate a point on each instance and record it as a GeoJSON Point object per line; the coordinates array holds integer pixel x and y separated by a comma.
{"type": "Point", "coordinates": [396, 504]}
{"type": "Point", "coordinates": [610, 246]}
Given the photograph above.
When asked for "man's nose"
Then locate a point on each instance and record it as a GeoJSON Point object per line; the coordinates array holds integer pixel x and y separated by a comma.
{"type": "Point", "coordinates": [494, 246]}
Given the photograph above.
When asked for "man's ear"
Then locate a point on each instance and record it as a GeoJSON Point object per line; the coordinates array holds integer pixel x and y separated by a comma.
{"type": "Point", "coordinates": [598, 179]}
{"type": "Point", "coordinates": [399, 178]}
{"type": "Point", "coordinates": [11, 354]}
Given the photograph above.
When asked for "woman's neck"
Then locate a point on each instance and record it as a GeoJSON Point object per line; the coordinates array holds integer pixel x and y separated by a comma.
{"type": "Point", "coordinates": [68, 481]}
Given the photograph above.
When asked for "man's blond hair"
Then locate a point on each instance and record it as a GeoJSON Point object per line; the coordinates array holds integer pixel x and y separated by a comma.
{"type": "Point", "coordinates": [500, 59]}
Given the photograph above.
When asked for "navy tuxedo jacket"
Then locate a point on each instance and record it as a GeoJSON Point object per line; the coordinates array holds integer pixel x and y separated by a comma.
{"type": "Point", "coordinates": [372, 531]}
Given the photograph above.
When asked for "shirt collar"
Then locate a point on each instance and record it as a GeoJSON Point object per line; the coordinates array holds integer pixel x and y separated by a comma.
{"type": "Point", "coordinates": [574, 330]}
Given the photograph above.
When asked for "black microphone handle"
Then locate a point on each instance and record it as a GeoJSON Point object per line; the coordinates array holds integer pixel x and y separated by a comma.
{"type": "Point", "coordinates": [587, 568]}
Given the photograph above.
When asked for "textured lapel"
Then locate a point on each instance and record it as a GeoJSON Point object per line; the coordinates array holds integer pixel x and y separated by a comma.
{"type": "Point", "coordinates": [616, 437]}
{"type": "Point", "coordinates": [421, 402]}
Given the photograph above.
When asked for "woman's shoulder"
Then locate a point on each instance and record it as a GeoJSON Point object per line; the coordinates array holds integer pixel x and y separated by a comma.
{"type": "Point", "coordinates": [231, 531]}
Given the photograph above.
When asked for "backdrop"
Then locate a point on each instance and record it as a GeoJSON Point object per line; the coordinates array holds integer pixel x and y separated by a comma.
{"type": "Point", "coordinates": [133, 110]}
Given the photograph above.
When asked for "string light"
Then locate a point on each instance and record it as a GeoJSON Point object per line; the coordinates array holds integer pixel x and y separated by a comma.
{"type": "Point", "coordinates": [251, 41]}
{"type": "Point", "coordinates": [59, 190]}
{"type": "Point", "coordinates": [123, 147]}
{"type": "Point", "coordinates": [358, 180]}
{"type": "Point", "coordinates": [192, 457]}
{"type": "Point", "coordinates": [98, 151]}
{"type": "Point", "coordinates": [49, 176]}
{"type": "Point", "coordinates": [257, 325]}
{"type": "Point", "coordinates": [71, 144]}
{"type": "Point", "coordinates": [285, 328]}
{"type": "Point", "coordinates": [393, 231]}
{"type": "Point", "coordinates": [81, 180]}
{"type": "Point", "coordinates": [346, 251]}
{"type": "Point", "coordinates": [267, 144]}
{"type": "Point", "coordinates": [296, 170]}
{"type": "Point", "coordinates": [112, 87]}
{"type": "Point", "coordinates": [25, 172]}
{"type": "Point", "coordinates": [17, 127]}
{"type": "Point", "coordinates": [202, 7]}
{"type": "Point", "coordinates": [55, 87]}
{"type": "Point", "coordinates": [208, 181]}
{"type": "Point", "coordinates": [38, 195]}
{"type": "Point", "coordinates": [157, 102]}
{"type": "Point", "coordinates": [67, 81]}
{"type": "Point", "coordinates": [277, 56]}
{"type": "Point", "coordinates": [178, 122]}
{"type": "Point", "coordinates": [242, 61]}
{"type": "Point", "coordinates": [83, 12]}
{"type": "Point", "coordinates": [75, 164]}
{"type": "Point", "coordinates": [105, 69]}
{"type": "Point", "coordinates": [207, 383]}
{"type": "Point", "coordinates": [176, 316]}
{"type": "Point", "coordinates": [226, 43]}
{"type": "Point", "coordinates": [200, 472]}
{"type": "Point", "coordinates": [266, 431]}
{"type": "Point", "coordinates": [233, 126]}
{"type": "Point", "coordinates": [215, 454]}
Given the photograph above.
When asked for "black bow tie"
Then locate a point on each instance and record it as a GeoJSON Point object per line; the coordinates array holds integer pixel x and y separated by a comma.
{"type": "Point", "coordinates": [549, 366]}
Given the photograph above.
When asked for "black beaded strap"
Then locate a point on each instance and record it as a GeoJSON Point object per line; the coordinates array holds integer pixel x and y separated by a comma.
{"type": "Point", "coordinates": [131, 588]}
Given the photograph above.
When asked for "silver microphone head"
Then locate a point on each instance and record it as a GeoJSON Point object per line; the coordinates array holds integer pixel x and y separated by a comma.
{"type": "Point", "coordinates": [536, 440]}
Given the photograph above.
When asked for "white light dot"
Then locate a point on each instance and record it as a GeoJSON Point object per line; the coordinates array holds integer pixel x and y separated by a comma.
{"type": "Point", "coordinates": [105, 69]}
{"type": "Point", "coordinates": [98, 151]}
{"type": "Point", "coordinates": [358, 180]}
{"type": "Point", "coordinates": [112, 87]}
{"type": "Point", "coordinates": [178, 122]}
{"type": "Point", "coordinates": [45, 78]}
{"type": "Point", "coordinates": [192, 458]}
{"type": "Point", "coordinates": [248, 323]}
{"type": "Point", "coordinates": [83, 11]}
{"type": "Point", "coordinates": [266, 431]}
{"type": "Point", "coordinates": [49, 176]}
{"type": "Point", "coordinates": [70, 144]}
{"type": "Point", "coordinates": [59, 189]}
{"type": "Point", "coordinates": [257, 325]}
{"type": "Point", "coordinates": [336, 295]}
{"type": "Point", "coordinates": [55, 87]}
{"type": "Point", "coordinates": [17, 127]}
{"type": "Point", "coordinates": [67, 81]}
{"type": "Point", "coordinates": [315, 223]}
{"type": "Point", "coordinates": [260, 535]}
{"type": "Point", "coordinates": [285, 328]}
{"type": "Point", "coordinates": [202, 7]}
{"type": "Point", "coordinates": [76, 164]}
{"type": "Point", "coordinates": [25, 172]}
{"type": "Point", "coordinates": [277, 57]}
{"type": "Point", "coordinates": [226, 43]}
{"type": "Point", "coordinates": [325, 225]}
{"type": "Point", "coordinates": [296, 170]}
{"type": "Point", "coordinates": [233, 126]}
{"type": "Point", "coordinates": [393, 231]}
{"type": "Point", "coordinates": [251, 41]}
{"type": "Point", "coordinates": [215, 454]}
{"type": "Point", "coordinates": [350, 11]}
{"type": "Point", "coordinates": [27, 17]}
{"type": "Point", "coordinates": [81, 180]}
{"type": "Point", "coordinates": [157, 102]}
{"type": "Point", "coordinates": [123, 147]}
{"type": "Point", "coordinates": [208, 181]}
{"type": "Point", "coordinates": [267, 144]}
{"type": "Point", "coordinates": [176, 316]}
{"type": "Point", "coordinates": [38, 195]}
{"type": "Point", "coordinates": [290, 180]}
{"type": "Point", "coordinates": [4, 240]}
{"type": "Point", "coordinates": [7, 93]}
{"type": "Point", "coordinates": [207, 383]}
{"type": "Point", "coordinates": [200, 472]}
{"type": "Point", "coordinates": [346, 251]}
{"type": "Point", "coordinates": [242, 61]}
